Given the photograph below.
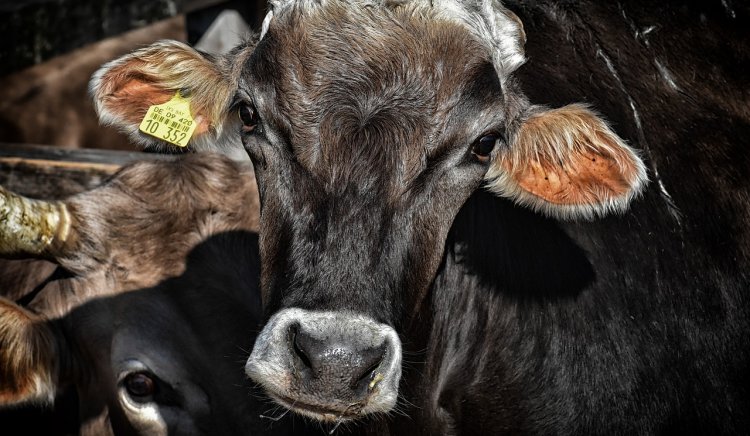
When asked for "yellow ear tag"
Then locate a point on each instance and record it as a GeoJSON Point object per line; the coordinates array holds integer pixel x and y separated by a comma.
{"type": "Point", "coordinates": [170, 121]}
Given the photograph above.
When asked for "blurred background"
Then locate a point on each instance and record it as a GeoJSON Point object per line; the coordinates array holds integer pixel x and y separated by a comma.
{"type": "Point", "coordinates": [50, 49]}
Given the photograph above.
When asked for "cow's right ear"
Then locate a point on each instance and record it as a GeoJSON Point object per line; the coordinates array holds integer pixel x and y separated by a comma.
{"type": "Point", "coordinates": [28, 357]}
{"type": "Point", "coordinates": [124, 89]}
{"type": "Point", "coordinates": [568, 164]}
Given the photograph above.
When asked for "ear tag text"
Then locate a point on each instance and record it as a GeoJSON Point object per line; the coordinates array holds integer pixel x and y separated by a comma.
{"type": "Point", "coordinates": [170, 121]}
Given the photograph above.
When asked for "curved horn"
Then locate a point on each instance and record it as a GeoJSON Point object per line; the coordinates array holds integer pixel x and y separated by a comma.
{"type": "Point", "coordinates": [31, 228]}
{"type": "Point", "coordinates": [507, 32]}
{"type": "Point", "coordinates": [495, 24]}
{"type": "Point", "coordinates": [276, 6]}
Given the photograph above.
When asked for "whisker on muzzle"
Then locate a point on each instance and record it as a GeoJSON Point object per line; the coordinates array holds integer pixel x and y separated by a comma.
{"type": "Point", "coordinates": [275, 418]}
{"type": "Point", "coordinates": [339, 421]}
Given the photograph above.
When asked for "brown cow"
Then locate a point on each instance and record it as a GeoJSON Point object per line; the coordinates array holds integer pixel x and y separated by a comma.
{"type": "Point", "coordinates": [153, 313]}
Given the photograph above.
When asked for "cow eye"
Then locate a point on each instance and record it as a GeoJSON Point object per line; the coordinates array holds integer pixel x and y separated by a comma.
{"type": "Point", "coordinates": [249, 117]}
{"type": "Point", "coordinates": [483, 146]}
{"type": "Point", "coordinates": [140, 385]}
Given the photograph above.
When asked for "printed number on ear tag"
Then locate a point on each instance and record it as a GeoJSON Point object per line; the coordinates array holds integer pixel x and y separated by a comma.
{"type": "Point", "coordinates": [170, 121]}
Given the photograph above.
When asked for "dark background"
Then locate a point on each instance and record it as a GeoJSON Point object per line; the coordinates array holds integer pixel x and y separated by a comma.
{"type": "Point", "coordinates": [50, 48]}
{"type": "Point", "coordinates": [33, 31]}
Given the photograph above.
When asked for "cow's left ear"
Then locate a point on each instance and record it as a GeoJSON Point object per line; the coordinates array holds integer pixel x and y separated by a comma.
{"type": "Point", "coordinates": [567, 163]}
{"type": "Point", "coordinates": [124, 89]}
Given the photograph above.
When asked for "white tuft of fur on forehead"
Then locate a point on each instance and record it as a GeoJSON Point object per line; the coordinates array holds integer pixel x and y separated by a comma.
{"type": "Point", "coordinates": [488, 20]}
{"type": "Point", "coordinates": [493, 24]}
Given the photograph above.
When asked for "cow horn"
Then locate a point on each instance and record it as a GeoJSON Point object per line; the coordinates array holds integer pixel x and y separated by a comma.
{"type": "Point", "coordinates": [31, 227]}
{"type": "Point", "coordinates": [492, 22]}
{"type": "Point", "coordinates": [277, 5]}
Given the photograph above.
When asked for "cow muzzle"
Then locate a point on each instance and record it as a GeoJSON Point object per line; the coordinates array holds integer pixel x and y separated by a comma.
{"type": "Point", "coordinates": [331, 366]}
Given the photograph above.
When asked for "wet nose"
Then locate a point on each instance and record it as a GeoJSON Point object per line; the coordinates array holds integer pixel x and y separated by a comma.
{"type": "Point", "coordinates": [339, 363]}
{"type": "Point", "coordinates": [328, 365]}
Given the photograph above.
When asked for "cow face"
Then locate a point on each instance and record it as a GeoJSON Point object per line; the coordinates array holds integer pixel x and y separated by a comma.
{"type": "Point", "coordinates": [369, 125]}
{"type": "Point", "coordinates": [360, 182]}
{"type": "Point", "coordinates": [153, 319]}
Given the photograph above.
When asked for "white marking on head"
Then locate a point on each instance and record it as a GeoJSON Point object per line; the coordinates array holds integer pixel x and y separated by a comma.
{"type": "Point", "coordinates": [489, 20]}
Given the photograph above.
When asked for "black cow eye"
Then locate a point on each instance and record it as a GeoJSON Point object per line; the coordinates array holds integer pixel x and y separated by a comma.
{"type": "Point", "coordinates": [483, 146]}
{"type": "Point", "coordinates": [140, 385]}
{"type": "Point", "coordinates": [249, 117]}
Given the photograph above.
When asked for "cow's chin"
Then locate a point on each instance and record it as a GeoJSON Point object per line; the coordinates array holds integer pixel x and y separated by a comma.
{"type": "Point", "coordinates": [329, 413]}
{"type": "Point", "coordinates": [330, 366]}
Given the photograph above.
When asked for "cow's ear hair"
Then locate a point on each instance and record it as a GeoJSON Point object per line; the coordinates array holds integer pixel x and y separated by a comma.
{"type": "Point", "coordinates": [567, 163]}
{"type": "Point", "coordinates": [28, 357]}
{"type": "Point", "coordinates": [124, 89]}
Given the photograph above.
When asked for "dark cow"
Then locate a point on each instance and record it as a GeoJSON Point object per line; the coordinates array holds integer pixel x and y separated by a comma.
{"type": "Point", "coordinates": [371, 126]}
{"type": "Point", "coordinates": [148, 327]}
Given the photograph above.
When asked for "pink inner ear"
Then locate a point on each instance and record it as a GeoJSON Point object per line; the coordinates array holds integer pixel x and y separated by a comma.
{"type": "Point", "coordinates": [586, 177]}
{"type": "Point", "coordinates": [568, 163]}
{"type": "Point", "coordinates": [124, 89]}
{"type": "Point", "coordinates": [131, 102]}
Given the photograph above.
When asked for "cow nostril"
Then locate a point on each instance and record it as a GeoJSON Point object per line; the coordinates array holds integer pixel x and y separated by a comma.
{"type": "Point", "coordinates": [294, 332]}
{"type": "Point", "coordinates": [331, 362]}
{"type": "Point", "coordinates": [369, 373]}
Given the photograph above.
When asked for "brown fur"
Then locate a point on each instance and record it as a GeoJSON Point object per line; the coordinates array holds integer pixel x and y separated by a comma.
{"type": "Point", "coordinates": [19, 277]}
{"type": "Point", "coordinates": [28, 370]}
{"type": "Point", "coordinates": [370, 117]}
{"type": "Point", "coordinates": [111, 249]}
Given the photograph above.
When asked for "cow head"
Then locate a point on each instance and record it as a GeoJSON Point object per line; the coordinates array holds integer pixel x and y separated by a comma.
{"type": "Point", "coordinates": [154, 316]}
{"type": "Point", "coordinates": [369, 125]}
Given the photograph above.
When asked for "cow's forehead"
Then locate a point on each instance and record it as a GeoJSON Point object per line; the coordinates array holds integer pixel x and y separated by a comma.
{"type": "Point", "coordinates": [372, 88]}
